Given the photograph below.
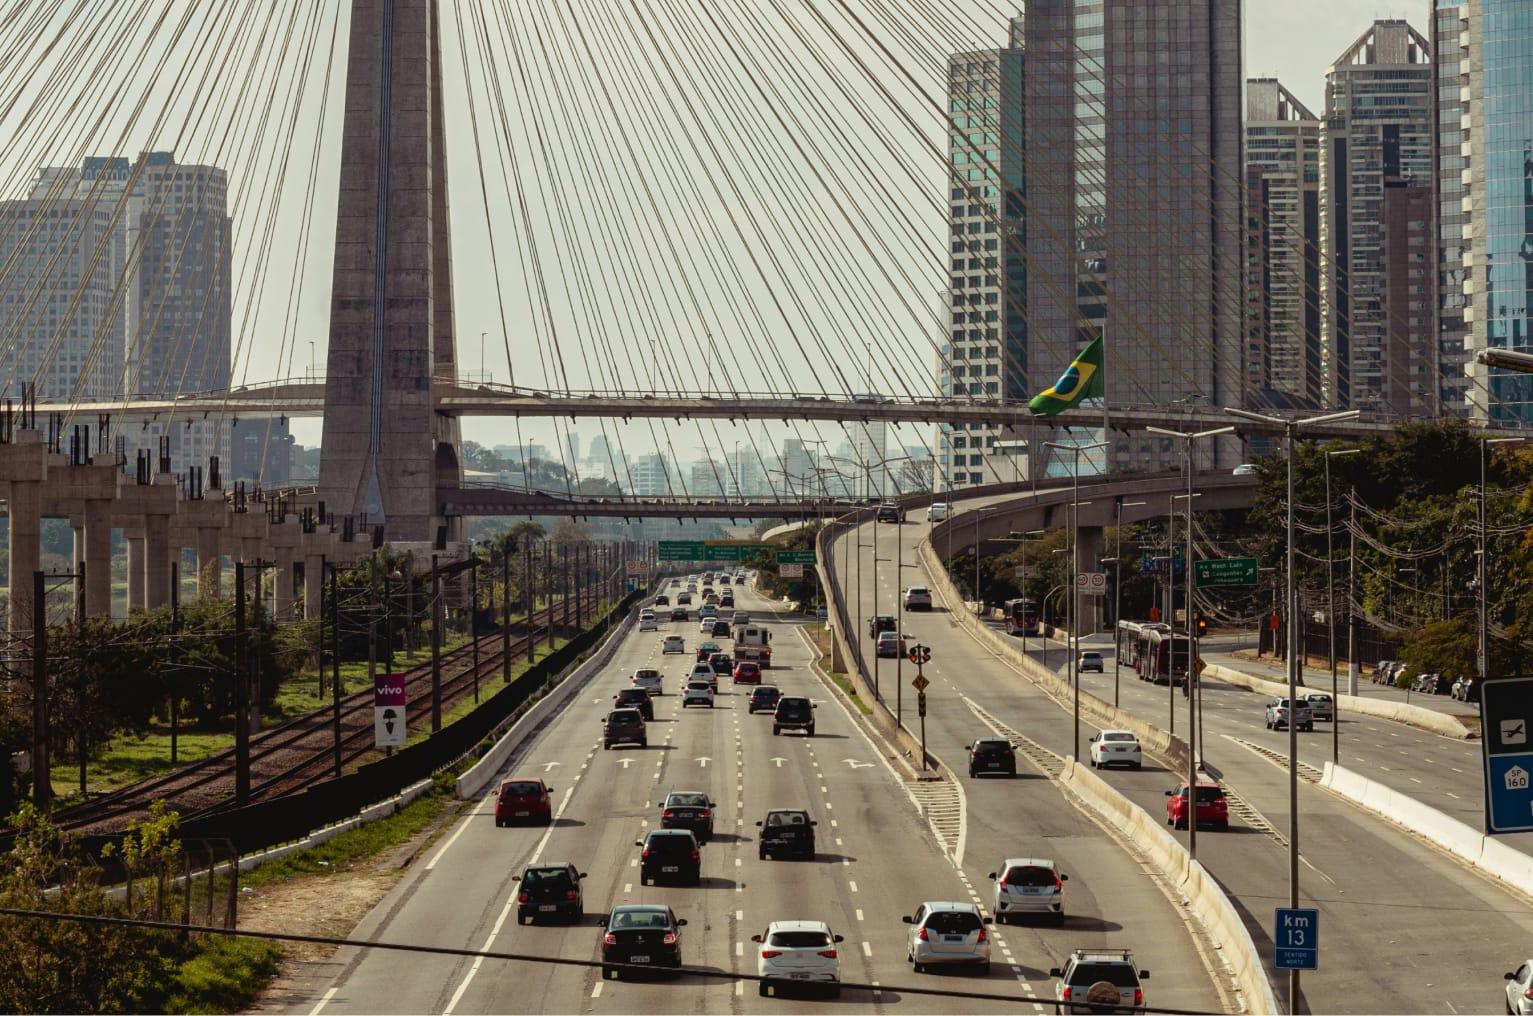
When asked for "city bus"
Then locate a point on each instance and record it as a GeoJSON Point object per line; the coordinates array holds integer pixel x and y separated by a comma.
{"type": "Point", "coordinates": [1022, 616]}
{"type": "Point", "coordinates": [1127, 642]}
{"type": "Point", "coordinates": [1165, 656]}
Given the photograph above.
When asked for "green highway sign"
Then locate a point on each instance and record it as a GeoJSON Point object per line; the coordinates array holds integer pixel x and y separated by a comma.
{"type": "Point", "coordinates": [710, 550]}
{"type": "Point", "coordinates": [796, 557]}
{"type": "Point", "coordinates": [1225, 571]}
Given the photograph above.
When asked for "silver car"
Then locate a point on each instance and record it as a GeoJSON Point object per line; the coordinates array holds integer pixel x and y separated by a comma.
{"type": "Point", "coordinates": [943, 934]}
{"type": "Point", "coordinates": [1321, 706]}
{"type": "Point", "coordinates": [1519, 990]}
{"type": "Point", "coordinates": [1029, 885]}
{"type": "Point", "coordinates": [1282, 712]}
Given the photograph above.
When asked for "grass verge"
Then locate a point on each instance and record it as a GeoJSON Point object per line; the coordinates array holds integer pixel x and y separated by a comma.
{"type": "Point", "coordinates": [225, 975]}
{"type": "Point", "coordinates": [821, 638]}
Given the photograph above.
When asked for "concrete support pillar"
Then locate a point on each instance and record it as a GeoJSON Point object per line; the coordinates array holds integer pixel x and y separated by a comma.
{"type": "Point", "coordinates": [98, 559]}
{"type": "Point", "coordinates": [136, 552]}
{"type": "Point", "coordinates": [210, 575]}
{"type": "Point", "coordinates": [282, 581]}
{"type": "Point", "coordinates": [157, 561]}
{"type": "Point", "coordinates": [26, 531]}
{"type": "Point", "coordinates": [313, 585]}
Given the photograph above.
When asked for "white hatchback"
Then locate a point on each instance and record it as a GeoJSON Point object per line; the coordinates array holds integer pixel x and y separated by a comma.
{"type": "Point", "coordinates": [648, 679]}
{"type": "Point", "coordinates": [647, 621]}
{"type": "Point", "coordinates": [698, 693]}
{"type": "Point", "coordinates": [673, 644]}
{"type": "Point", "coordinates": [937, 512]}
{"type": "Point", "coordinates": [1116, 748]}
{"type": "Point", "coordinates": [944, 934]}
{"type": "Point", "coordinates": [798, 952]}
{"type": "Point", "coordinates": [1029, 885]}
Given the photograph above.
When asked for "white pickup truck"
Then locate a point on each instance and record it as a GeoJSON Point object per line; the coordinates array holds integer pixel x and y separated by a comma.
{"type": "Point", "coordinates": [753, 642]}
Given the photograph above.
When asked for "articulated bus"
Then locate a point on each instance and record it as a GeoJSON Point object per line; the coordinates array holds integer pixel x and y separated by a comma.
{"type": "Point", "coordinates": [1164, 655]}
{"type": "Point", "coordinates": [1132, 640]}
{"type": "Point", "coordinates": [1022, 617]}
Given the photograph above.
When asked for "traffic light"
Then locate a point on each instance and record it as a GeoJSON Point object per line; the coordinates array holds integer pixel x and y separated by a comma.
{"type": "Point", "coordinates": [1202, 627]}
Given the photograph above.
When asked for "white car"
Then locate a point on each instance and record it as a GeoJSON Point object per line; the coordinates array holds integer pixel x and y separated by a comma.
{"type": "Point", "coordinates": [1116, 748]}
{"type": "Point", "coordinates": [648, 679]}
{"type": "Point", "coordinates": [673, 644]}
{"type": "Point", "coordinates": [1244, 469]}
{"type": "Point", "coordinates": [698, 693]}
{"type": "Point", "coordinates": [1519, 990]}
{"type": "Point", "coordinates": [647, 621]}
{"type": "Point", "coordinates": [918, 598]}
{"type": "Point", "coordinates": [1029, 885]}
{"type": "Point", "coordinates": [1091, 660]}
{"type": "Point", "coordinates": [937, 512]}
{"type": "Point", "coordinates": [705, 625]}
{"type": "Point", "coordinates": [943, 934]}
{"type": "Point", "coordinates": [703, 671]}
{"type": "Point", "coordinates": [1321, 706]}
{"type": "Point", "coordinates": [798, 952]}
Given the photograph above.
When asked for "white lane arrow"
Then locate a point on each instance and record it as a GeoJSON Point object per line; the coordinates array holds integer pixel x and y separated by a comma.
{"type": "Point", "coordinates": [627, 762]}
{"type": "Point", "coordinates": [857, 765]}
{"type": "Point", "coordinates": [548, 766]}
{"type": "Point", "coordinates": [703, 761]}
{"type": "Point", "coordinates": [779, 760]}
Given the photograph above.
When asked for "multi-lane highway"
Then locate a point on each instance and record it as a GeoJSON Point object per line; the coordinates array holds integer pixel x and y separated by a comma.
{"type": "Point", "coordinates": [1430, 937]}
{"type": "Point", "coordinates": [878, 858]}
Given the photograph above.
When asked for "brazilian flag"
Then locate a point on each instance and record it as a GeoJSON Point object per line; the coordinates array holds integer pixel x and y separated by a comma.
{"type": "Point", "coordinates": [1081, 380]}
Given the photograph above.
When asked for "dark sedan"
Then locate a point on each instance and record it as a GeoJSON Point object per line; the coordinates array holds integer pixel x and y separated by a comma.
{"type": "Point", "coordinates": [640, 935]}
{"type": "Point", "coordinates": [688, 810]}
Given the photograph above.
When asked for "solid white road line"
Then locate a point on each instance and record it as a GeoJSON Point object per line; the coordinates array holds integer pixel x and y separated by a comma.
{"type": "Point", "coordinates": [327, 996]}
{"type": "Point", "coordinates": [462, 825]}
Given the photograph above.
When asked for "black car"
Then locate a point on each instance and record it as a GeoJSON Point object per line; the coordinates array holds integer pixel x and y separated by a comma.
{"type": "Point", "coordinates": [992, 755]}
{"type": "Point", "coordinates": [685, 809]}
{"type": "Point", "coordinates": [662, 600]}
{"type": "Point", "coordinates": [721, 629]}
{"type": "Point", "coordinates": [727, 599]}
{"type": "Point", "coordinates": [764, 699]}
{"type": "Point", "coordinates": [642, 935]}
{"type": "Point", "coordinates": [679, 614]}
{"type": "Point", "coordinates": [722, 665]}
{"type": "Point", "coordinates": [670, 855]}
{"type": "Point", "coordinates": [889, 513]}
{"type": "Point", "coordinates": [549, 890]}
{"type": "Point", "coordinates": [880, 623]}
{"type": "Point", "coordinates": [635, 698]}
{"type": "Point", "coordinates": [683, 598]}
{"type": "Point", "coordinates": [739, 580]}
{"type": "Point", "coordinates": [786, 832]}
{"type": "Point", "coordinates": [793, 713]}
{"type": "Point", "coordinates": [624, 726]}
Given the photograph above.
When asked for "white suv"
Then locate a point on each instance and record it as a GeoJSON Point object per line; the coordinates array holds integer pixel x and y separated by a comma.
{"type": "Point", "coordinates": [1029, 885]}
{"type": "Point", "coordinates": [798, 952]}
{"type": "Point", "coordinates": [647, 621]}
{"type": "Point", "coordinates": [1282, 712]}
{"type": "Point", "coordinates": [1100, 977]}
{"type": "Point", "coordinates": [943, 934]}
{"type": "Point", "coordinates": [673, 644]}
{"type": "Point", "coordinates": [648, 679]}
{"type": "Point", "coordinates": [698, 693]}
{"type": "Point", "coordinates": [918, 598]}
{"type": "Point", "coordinates": [937, 512]}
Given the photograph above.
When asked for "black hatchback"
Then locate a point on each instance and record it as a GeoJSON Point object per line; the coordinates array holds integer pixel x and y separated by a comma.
{"type": "Point", "coordinates": [625, 726]}
{"type": "Point", "coordinates": [764, 699]}
{"type": "Point", "coordinates": [793, 713]}
{"type": "Point", "coordinates": [786, 832]}
{"type": "Point", "coordinates": [992, 755]}
{"type": "Point", "coordinates": [635, 698]}
{"type": "Point", "coordinates": [670, 855]}
{"type": "Point", "coordinates": [640, 935]}
{"type": "Point", "coordinates": [686, 809]}
{"type": "Point", "coordinates": [549, 890]}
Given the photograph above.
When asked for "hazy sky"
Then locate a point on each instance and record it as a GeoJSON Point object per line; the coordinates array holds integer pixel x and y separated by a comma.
{"type": "Point", "coordinates": [737, 195]}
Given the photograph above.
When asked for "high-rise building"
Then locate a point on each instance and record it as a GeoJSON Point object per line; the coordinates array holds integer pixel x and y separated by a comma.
{"type": "Point", "coordinates": [651, 476]}
{"type": "Point", "coordinates": [572, 446]}
{"type": "Point", "coordinates": [1408, 267]}
{"type": "Point", "coordinates": [261, 452]}
{"type": "Point", "coordinates": [1377, 127]}
{"type": "Point", "coordinates": [118, 282]}
{"type": "Point", "coordinates": [797, 468]}
{"type": "Point", "coordinates": [985, 355]}
{"type": "Point", "coordinates": [707, 479]}
{"type": "Point", "coordinates": [1450, 158]}
{"type": "Point", "coordinates": [1282, 244]}
{"type": "Point", "coordinates": [746, 478]}
{"type": "Point", "coordinates": [870, 451]}
{"type": "Point", "coordinates": [1498, 265]}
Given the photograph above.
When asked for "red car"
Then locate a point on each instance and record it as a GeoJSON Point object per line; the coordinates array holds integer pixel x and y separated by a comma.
{"type": "Point", "coordinates": [747, 672]}
{"type": "Point", "coordinates": [1213, 807]}
{"type": "Point", "coordinates": [524, 800]}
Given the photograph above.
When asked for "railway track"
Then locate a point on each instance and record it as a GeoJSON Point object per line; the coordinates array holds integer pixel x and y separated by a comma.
{"type": "Point", "coordinates": [301, 751]}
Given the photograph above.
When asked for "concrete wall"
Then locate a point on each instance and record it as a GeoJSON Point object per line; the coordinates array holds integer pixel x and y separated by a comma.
{"type": "Point", "coordinates": [1399, 712]}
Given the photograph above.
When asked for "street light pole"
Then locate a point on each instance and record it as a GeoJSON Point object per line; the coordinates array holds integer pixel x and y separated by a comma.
{"type": "Point", "coordinates": [1290, 427]}
{"type": "Point", "coordinates": [1072, 612]}
{"type": "Point", "coordinates": [1117, 591]}
{"type": "Point", "coordinates": [1330, 610]}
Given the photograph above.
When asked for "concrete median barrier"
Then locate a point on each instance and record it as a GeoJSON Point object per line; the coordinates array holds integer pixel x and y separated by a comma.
{"type": "Point", "coordinates": [1485, 854]}
{"type": "Point", "coordinates": [472, 783]}
{"type": "Point", "coordinates": [1398, 712]}
{"type": "Point", "coordinates": [1205, 898]}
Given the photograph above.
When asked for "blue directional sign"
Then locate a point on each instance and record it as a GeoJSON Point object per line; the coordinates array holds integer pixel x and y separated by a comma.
{"type": "Point", "coordinates": [1506, 716]}
{"type": "Point", "coordinates": [1297, 939]}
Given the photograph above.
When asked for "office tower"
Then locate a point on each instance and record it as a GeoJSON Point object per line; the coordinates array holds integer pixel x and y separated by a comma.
{"type": "Point", "coordinates": [1408, 267]}
{"type": "Point", "coordinates": [1450, 45]}
{"type": "Point", "coordinates": [797, 468]}
{"type": "Point", "coordinates": [1282, 245]}
{"type": "Point", "coordinates": [745, 479]}
{"type": "Point", "coordinates": [572, 446]}
{"type": "Point", "coordinates": [707, 479]}
{"type": "Point", "coordinates": [985, 354]}
{"type": "Point", "coordinates": [1498, 275]}
{"type": "Point", "coordinates": [651, 476]}
{"type": "Point", "coordinates": [870, 452]}
{"type": "Point", "coordinates": [260, 452]}
{"type": "Point", "coordinates": [1378, 127]}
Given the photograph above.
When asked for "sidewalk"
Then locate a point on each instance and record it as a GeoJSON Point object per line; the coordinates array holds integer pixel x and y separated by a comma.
{"type": "Point", "coordinates": [1319, 678]}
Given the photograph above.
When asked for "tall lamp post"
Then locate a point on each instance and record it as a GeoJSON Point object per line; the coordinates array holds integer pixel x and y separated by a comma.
{"type": "Point", "coordinates": [1075, 567]}
{"type": "Point", "coordinates": [1117, 587]}
{"type": "Point", "coordinates": [1190, 680]}
{"type": "Point", "coordinates": [1330, 609]}
{"type": "Point", "coordinates": [1482, 652]}
{"type": "Point", "coordinates": [1290, 610]}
